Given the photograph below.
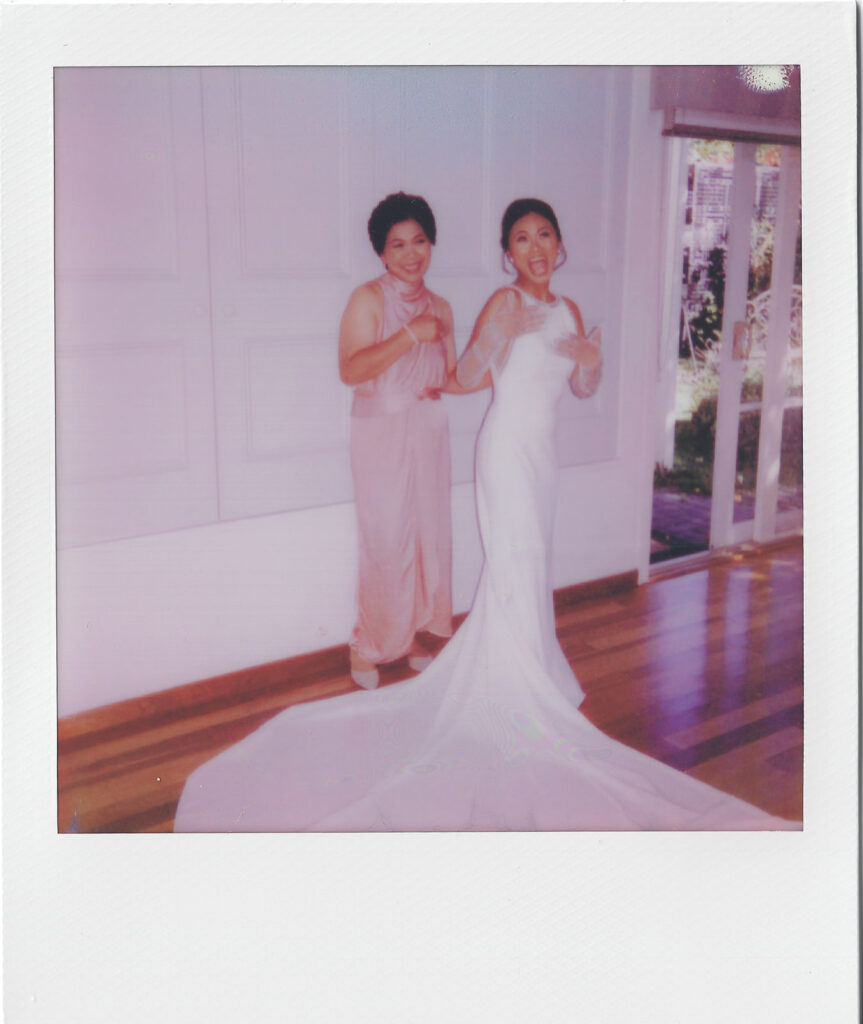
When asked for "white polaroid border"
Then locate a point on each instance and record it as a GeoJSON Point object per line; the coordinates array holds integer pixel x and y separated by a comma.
{"type": "Point", "coordinates": [463, 927]}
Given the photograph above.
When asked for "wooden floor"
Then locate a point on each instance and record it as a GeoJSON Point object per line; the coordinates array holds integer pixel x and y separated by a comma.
{"type": "Point", "coordinates": [702, 670]}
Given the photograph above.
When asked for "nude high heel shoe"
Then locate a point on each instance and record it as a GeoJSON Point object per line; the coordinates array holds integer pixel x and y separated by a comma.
{"type": "Point", "coordinates": [367, 678]}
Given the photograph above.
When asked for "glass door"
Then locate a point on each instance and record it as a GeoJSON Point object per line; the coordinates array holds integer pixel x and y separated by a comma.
{"type": "Point", "coordinates": [729, 444]}
{"type": "Point", "coordinates": [789, 507]}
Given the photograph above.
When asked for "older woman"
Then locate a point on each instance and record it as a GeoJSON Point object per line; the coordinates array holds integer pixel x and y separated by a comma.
{"type": "Point", "coordinates": [396, 349]}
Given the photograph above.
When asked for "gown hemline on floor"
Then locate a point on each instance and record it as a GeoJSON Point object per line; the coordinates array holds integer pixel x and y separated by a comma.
{"type": "Point", "coordinates": [489, 737]}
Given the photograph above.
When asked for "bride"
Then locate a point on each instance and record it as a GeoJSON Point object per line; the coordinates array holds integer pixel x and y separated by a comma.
{"type": "Point", "coordinates": [490, 735]}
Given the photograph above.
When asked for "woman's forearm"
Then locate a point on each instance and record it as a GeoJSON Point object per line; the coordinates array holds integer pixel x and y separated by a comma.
{"type": "Point", "coordinates": [454, 387]}
{"type": "Point", "coordinates": [585, 382]}
{"type": "Point", "coordinates": [371, 361]}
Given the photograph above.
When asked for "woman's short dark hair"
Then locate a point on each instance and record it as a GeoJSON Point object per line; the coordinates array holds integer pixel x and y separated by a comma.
{"type": "Point", "coordinates": [394, 209]}
{"type": "Point", "coordinates": [519, 208]}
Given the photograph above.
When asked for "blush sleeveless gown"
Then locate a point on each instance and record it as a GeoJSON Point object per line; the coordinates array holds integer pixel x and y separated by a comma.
{"type": "Point", "coordinates": [489, 737]}
{"type": "Point", "coordinates": [400, 460]}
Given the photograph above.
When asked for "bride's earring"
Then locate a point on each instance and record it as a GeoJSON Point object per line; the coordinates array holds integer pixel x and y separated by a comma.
{"type": "Point", "coordinates": [561, 257]}
{"type": "Point", "coordinates": [506, 263]}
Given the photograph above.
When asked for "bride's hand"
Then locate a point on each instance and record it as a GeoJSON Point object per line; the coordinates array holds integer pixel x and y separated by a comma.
{"type": "Point", "coordinates": [513, 322]}
{"type": "Point", "coordinates": [582, 349]}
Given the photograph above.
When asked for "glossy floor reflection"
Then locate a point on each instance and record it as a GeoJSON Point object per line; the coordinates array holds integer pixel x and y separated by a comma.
{"type": "Point", "coordinates": [702, 670]}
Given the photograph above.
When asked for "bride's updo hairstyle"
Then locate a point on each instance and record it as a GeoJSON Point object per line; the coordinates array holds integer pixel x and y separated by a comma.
{"type": "Point", "coordinates": [394, 209]}
{"type": "Point", "coordinates": [519, 208]}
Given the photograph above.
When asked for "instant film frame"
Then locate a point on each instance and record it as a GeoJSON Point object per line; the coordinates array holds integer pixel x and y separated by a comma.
{"type": "Point", "coordinates": [560, 925]}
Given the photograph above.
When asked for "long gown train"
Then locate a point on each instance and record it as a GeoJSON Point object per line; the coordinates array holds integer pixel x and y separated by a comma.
{"type": "Point", "coordinates": [490, 735]}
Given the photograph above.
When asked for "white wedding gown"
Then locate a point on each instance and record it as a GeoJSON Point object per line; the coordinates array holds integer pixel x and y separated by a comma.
{"type": "Point", "coordinates": [489, 736]}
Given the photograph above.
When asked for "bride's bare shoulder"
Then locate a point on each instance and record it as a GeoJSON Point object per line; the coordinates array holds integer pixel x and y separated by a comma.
{"type": "Point", "coordinates": [576, 312]}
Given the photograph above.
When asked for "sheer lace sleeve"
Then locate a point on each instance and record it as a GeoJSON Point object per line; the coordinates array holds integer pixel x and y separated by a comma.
{"type": "Point", "coordinates": [491, 347]}
{"type": "Point", "coordinates": [585, 382]}
{"type": "Point", "coordinates": [587, 354]}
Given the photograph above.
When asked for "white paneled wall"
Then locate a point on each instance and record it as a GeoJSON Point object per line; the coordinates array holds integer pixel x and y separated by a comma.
{"type": "Point", "coordinates": [211, 224]}
{"type": "Point", "coordinates": [135, 422]}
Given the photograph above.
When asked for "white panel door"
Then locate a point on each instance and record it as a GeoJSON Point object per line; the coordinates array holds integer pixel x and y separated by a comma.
{"type": "Point", "coordinates": [290, 171]}
{"type": "Point", "coordinates": [135, 433]}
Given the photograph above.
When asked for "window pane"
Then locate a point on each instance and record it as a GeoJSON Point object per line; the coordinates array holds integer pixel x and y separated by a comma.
{"type": "Point", "coordinates": [747, 465]}
{"type": "Point", "coordinates": [762, 232]}
{"type": "Point", "coordinates": [682, 491]}
{"type": "Point", "coordinates": [791, 461]}
{"type": "Point", "coordinates": [794, 364]}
